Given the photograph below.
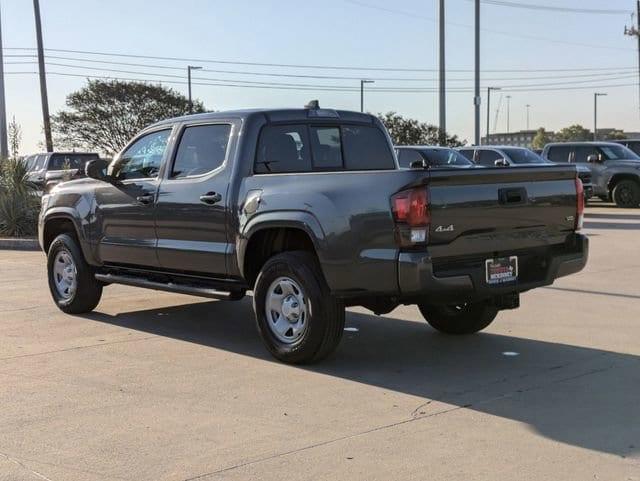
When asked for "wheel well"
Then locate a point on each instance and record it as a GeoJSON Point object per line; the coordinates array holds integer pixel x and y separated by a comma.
{"type": "Point", "coordinates": [619, 177]}
{"type": "Point", "coordinates": [266, 243]}
{"type": "Point", "coordinates": [54, 227]}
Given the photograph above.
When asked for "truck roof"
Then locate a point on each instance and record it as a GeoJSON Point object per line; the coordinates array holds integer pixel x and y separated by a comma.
{"type": "Point", "coordinates": [276, 115]}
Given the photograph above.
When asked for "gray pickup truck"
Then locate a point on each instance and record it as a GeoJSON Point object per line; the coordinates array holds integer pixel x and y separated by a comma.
{"type": "Point", "coordinates": [307, 208]}
{"type": "Point", "coordinates": [615, 170]}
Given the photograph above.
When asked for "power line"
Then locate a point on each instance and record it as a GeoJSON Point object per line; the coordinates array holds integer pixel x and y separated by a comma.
{"type": "Point", "coordinates": [552, 8]}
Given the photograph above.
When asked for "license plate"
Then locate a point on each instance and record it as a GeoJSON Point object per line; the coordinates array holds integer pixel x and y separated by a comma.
{"type": "Point", "coordinates": [502, 270]}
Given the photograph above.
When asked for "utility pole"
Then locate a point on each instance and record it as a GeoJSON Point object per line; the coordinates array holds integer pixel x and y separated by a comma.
{"type": "Point", "coordinates": [477, 98]}
{"type": "Point", "coordinates": [595, 114]}
{"type": "Point", "coordinates": [634, 31]}
{"type": "Point", "coordinates": [508, 108]}
{"type": "Point", "coordinates": [43, 80]}
{"type": "Point", "coordinates": [442, 136]}
{"type": "Point", "coordinates": [489, 89]}
{"type": "Point", "coordinates": [362, 82]}
{"type": "Point", "coordinates": [4, 143]}
{"type": "Point", "coordinates": [189, 69]}
{"type": "Point", "coordinates": [528, 107]}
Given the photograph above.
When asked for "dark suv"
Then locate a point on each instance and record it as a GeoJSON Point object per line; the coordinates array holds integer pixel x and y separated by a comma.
{"type": "Point", "coordinates": [46, 170]}
{"type": "Point", "coordinates": [615, 170]}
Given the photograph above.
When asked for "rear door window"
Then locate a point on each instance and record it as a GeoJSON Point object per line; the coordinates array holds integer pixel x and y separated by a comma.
{"type": "Point", "coordinates": [581, 152]}
{"type": "Point", "coordinates": [559, 153]}
{"type": "Point", "coordinates": [407, 156]}
{"type": "Point", "coordinates": [468, 153]}
{"type": "Point", "coordinates": [488, 157]}
{"type": "Point", "coordinates": [366, 148]}
{"type": "Point", "coordinates": [202, 149]}
{"type": "Point", "coordinates": [283, 148]}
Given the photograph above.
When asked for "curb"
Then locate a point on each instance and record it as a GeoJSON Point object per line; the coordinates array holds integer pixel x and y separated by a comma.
{"type": "Point", "coordinates": [19, 244]}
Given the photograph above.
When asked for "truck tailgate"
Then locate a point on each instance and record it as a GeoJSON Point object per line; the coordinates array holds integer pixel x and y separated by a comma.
{"type": "Point", "coordinates": [481, 211]}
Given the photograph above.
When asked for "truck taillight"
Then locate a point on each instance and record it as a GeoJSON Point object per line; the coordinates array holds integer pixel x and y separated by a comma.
{"type": "Point", "coordinates": [579, 204]}
{"type": "Point", "coordinates": [411, 214]}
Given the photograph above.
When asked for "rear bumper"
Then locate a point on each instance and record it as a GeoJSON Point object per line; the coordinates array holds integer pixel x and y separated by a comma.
{"type": "Point", "coordinates": [418, 277]}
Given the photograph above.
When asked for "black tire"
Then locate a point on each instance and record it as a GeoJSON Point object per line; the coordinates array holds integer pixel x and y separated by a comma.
{"type": "Point", "coordinates": [626, 194]}
{"type": "Point", "coordinates": [88, 292]}
{"type": "Point", "coordinates": [604, 198]}
{"type": "Point", "coordinates": [324, 316]}
{"type": "Point", "coordinates": [459, 320]}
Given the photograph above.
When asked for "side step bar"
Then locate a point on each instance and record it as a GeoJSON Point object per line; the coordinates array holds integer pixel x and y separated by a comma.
{"type": "Point", "coordinates": [169, 287]}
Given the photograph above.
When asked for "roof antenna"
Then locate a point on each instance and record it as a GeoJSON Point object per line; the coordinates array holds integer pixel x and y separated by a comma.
{"type": "Point", "coordinates": [313, 105]}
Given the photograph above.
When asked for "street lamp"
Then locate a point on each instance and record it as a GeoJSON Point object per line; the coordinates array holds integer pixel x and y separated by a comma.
{"type": "Point", "coordinates": [508, 108]}
{"type": "Point", "coordinates": [528, 107]}
{"type": "Point", "coordinates": [595, 113]}
{"type": "Point", "coordinates": [189, 69]}
{"type": "Point", "coordinates": [362, 82]}
{"type": "Point", "coordinates": [489, 89]}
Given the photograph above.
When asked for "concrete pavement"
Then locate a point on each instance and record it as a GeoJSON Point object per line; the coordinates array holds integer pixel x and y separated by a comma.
{"type": "Point", "coordinates": [156, 386]}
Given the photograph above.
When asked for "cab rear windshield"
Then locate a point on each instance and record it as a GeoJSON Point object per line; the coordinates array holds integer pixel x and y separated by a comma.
{"type": "Point", "coordinates": [320, 148]}
{"type": "Point", "coordinates": [70, 161]}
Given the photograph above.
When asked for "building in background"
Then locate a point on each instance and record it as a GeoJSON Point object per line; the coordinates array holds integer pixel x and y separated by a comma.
{"type": "Point", "coordinates": [522, 138]}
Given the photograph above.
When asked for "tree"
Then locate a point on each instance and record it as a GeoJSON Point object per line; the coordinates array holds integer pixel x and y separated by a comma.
{"type": "Point", "coordinates": [104, 115]}
{"type": "Point", "coordinates": [413, 132]}
{"type": "Point", "coordinates": [614, 134]}
{"type": "Point", "coordinates": [15, 138]}
{"type": "Point", "coordinates": [574, 133]}
{"type": "Point", "coordinates": [541, 139]}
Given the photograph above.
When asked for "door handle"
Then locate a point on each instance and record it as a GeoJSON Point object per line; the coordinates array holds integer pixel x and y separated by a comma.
{"type": "Point", "coordinates": [210, 198]}
{"type": "Point", "coordinates": [145, 198]}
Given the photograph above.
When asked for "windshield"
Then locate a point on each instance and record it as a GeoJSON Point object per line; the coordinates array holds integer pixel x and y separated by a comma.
{"type": "Point", "coordinates": [617, 152]}
{"type": "Point", "coordinates": [446, 157]}
{"type": "Point", "coordinates": [70, 161]}
{"type": "Point", "coordinates": [524, 156]}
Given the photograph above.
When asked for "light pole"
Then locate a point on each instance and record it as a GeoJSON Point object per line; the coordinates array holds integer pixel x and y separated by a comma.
{"type": "Point", "coordinates": [595, 113]}
{"type": "Point", "coordinates": [43, 79]}
{"type": "Point", "coordinates": [528, 107]}
{"type": "Point", "coordinates": [362, 82]}
{"type": "Point", "coordinates": [442, 136]}
{"type": "Point", "coordinates": [4, 144]}
{"type": "Point", "coordinates": [508, 108]}
{"type": "Point", "coordinates": [489, 89]}
{"type": "Point", "coordinates": [476, 88]}
{"type": "Point", "coordinates": [189, 69]}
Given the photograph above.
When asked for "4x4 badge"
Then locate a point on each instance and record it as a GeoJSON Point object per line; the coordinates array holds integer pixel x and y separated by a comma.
{"type": "Point", "coordinates": [442, 228]}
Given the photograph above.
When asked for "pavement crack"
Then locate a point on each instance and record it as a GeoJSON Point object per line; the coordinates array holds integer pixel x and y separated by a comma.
{"type": "Point", "coordinates": [24, 466]}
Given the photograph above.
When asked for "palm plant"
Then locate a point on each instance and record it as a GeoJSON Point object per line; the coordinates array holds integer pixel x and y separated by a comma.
{"type": "Point", "coordinates": [19, 202]}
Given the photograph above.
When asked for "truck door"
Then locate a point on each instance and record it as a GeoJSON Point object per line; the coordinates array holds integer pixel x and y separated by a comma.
{"type": "Point", "coordinates": [193, 201]}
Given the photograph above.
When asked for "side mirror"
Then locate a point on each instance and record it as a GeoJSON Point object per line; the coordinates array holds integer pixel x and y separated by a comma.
{"type": "Point", "coordinates": [96, 169]}
{"type": "Point", "coordinates": [501, 163]}
{"type": "Point", "coordinates": [593, 159]}
{"type": "Point", "coordinates": [418, 164]}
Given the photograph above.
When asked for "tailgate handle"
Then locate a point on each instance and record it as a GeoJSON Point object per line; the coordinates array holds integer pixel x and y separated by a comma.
{"type": "Point", "coordinates": [513, 196]}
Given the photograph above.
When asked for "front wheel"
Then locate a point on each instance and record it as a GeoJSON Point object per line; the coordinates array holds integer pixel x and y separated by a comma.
{"type": "Point", "coordinates": [626, 194]}
{"type": "Point", "coordinates": [298, 318]}
{"type": "Point", "coordinates": [459, 319]}
{"type": "Point", "coordinates": [73, 286]}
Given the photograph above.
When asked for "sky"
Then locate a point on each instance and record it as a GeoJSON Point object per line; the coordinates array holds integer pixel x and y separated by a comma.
{"type": "Point", "coordinates": [579, 53]}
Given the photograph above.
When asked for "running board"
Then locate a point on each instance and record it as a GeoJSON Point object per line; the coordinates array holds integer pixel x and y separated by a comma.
{"type": "Point", "coordinates": [160, 286]}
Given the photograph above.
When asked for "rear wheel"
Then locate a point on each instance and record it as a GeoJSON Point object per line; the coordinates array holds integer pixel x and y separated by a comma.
{"type": "Point", "coordinates": [298, 318]}
{"type": "Point", "coordinates": [459, 319]}
{"type": "Point", "coordinates": [626, 194]}
{"type": "Point", "coordinates": [73, 286]}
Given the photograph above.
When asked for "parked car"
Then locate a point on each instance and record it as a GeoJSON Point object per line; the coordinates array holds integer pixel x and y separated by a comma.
{"type": "Point", "coordinates": [631, 144]}
{"type": "Point", "coordinates": [615, 170]}
{"type": "Point", "coordinates": [431, 157]}
{"type": "Point", "coordinates": [510, 156]}
{"type": "Point", "coordinates": [48, 169]}
{"type": "Point", "coordinates": [307, 208]}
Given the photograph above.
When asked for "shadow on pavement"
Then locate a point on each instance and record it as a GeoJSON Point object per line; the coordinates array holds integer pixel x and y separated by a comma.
{"type": "Point", "coordinates": [597, 293]}
{"type": "Point", "coordinates": [610, 225]}
{"type": "Point", "coordinates": [584, 397]}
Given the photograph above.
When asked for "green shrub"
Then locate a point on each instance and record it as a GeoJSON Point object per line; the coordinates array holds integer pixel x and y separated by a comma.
{"type": "Point", "coordinates": [19, 202]}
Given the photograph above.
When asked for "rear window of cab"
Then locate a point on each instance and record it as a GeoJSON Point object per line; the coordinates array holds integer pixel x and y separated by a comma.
{"type": "Point", "coordinates": [300, 148]}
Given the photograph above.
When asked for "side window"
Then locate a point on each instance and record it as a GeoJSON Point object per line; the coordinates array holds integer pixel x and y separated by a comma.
{"type": "Point", "coordinates": [488, 157]}
{"type": "Point", "coordinates": [326, 148]}
{"type": "Point", "coordinates": [366, 148]}
{"type": "Point", "coordinates": [202, 149]}
{"type": "Point", "coordinates": [558, 153]}
{"type": "Point", "coordinates": [283, 148]}
{"type": "Point", "coordinates": [468, 153]}
{"type": "Point", "coordinates": [582, 152]}
{"type": "Point", "coordinates": [143, 158]}
{"type": "Point", "coordinates": [407, 156]}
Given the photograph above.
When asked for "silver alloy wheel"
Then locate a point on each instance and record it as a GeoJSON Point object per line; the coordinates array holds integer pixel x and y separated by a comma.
{"type": "Point", "coordinates": [286, 310]}
{"type": "Point", "coordinates": [65, 274]}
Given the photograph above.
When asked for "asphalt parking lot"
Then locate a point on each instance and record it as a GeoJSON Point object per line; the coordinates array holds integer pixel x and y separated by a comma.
{"type": "Point", "coordinates": [156, 386]}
